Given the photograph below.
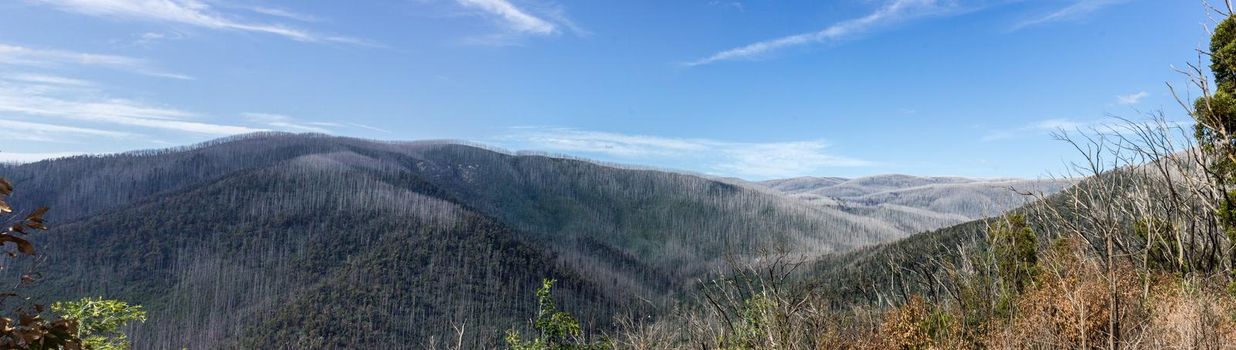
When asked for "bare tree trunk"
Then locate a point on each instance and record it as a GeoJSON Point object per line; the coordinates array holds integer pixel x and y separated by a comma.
{"type": "Point", "coordinates": [1113, 324]}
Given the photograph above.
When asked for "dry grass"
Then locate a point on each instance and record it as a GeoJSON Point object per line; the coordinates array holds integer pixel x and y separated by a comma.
{"type": "Point", "coordinates": [1067, 307]}
{"type": "Point", "coordinates": [1186, 317]}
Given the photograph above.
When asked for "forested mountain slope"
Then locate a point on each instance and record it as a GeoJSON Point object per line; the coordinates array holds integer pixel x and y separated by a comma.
{"type": "Point", "coordinates": [310, 253]}
{"type": "Point", "coordinates": [916, 204]}
{"type": "Point", "coordinates": [337, 242]}
{"type": "Point", "coordinates": [914, 265]}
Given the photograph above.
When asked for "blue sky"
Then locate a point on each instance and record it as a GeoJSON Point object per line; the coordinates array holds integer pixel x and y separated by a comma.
{"type": "Point", "coordinates": [749, 88]}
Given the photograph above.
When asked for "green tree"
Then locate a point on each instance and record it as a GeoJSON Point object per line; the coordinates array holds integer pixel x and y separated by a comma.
{"type": "Point", "coordinates": [556, 330]}
{"type": "Point", "coordinates": [1014, 246]}
{"type": "Point", "coordinates": [99, 321]}
{"type": "Point", "coordinates": [1215, 114]}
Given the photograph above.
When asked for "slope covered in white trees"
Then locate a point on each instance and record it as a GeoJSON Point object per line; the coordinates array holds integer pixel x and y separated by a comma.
{"type": "Point", "coordinates": [338, 242]}
{"type": "Point", "coordinates": [916, 204]}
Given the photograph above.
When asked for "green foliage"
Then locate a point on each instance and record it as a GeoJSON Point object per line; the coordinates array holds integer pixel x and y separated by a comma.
{"type": "Point", "coordinates": [556, 330]}
{"type": "Point", "coordinates": [1226, 213]}
{"type": "Point", "coordinates": [938, 323]}
{"type": "Point", "coordinates": [1216, 120]}
{"type": "Point", "coordinates": [1162, 250]}
{"type": "Point", "coordinates": [754, 321]}
{"type": "Point", "coordinates": [1014, 246]}
{"type": "Point", "coordinates": [1223, 55]}
{"type": "Point", "coordinates": [99, 321]}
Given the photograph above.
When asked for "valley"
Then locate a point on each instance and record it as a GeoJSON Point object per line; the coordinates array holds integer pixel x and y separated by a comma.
{"type": "Point", "coordinates": [225, 240]}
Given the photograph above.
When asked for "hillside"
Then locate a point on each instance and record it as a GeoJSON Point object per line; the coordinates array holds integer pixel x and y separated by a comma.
{"type": "Point", "coordinates": [337, 242]}
{"type": "Point", "coordinates": [242, 241]}
{"type": "Point", "coordinates": [309, 253]}
{"type": "Point", "coordinates": [916, 204]}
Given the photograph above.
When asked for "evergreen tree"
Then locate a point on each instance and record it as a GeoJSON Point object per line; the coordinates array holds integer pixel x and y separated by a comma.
{"type": "Point", "coordinates": [1215, 114]}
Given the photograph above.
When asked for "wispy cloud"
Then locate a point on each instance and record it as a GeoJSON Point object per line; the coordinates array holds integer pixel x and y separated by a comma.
{"type": "Point", "coordinates": [88, 105]}
{"type": "Point", "coordinates": [734, 5]}
{"type": "Point", "coordinates": [783, 159]}
{"type": "Point", "coordinates": [151, 38]}
{"type": "Point", "coordinates": [1102, 126]}
{"type": "Point", "coordinates": [191, 12]}
{"type": "Point", "coordinates": [49, 80]}
{"type": "Point", "coordinates": [1037, 128]}
{"type": "Point", "coordinates": [513, 17]}
{"type": "Point", "coordinates": [367, 127]}
{"type": "Point", "coordinates": [31, 131]}
{"type": "Point", "coordinates": [894, 11]}
{"type": "Point", "coordinates": [1077, 11]}
{"type": "Point", "coordinates": [517, 23]}
{"type": "Point", "coordinates": [26, 56]}
{"type": "Point", "coordinates": [565, 139]}
{"type": "Point", "coordinates": [18, 157]}
{"type": "Point", "coordinates": [1132, 99]}
{"type": "Point", "coordinates": [747, 159]}
{"type": "Point", "coordinates": [283, 122]}
{"type": "Point", "coordinates": [1060, 123]}
{"type": "Point", "coordinates": [285, 13]}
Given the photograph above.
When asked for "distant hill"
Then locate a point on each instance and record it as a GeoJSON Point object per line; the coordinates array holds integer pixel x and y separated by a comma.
{"type": "Point", "coordinates": [916, 204]}
{"type": "Point", "coordinates": [337, 242]}
{"type": "Point", "coordinates": [332, 242]}
{"type": "Point", "coordinates": [894, 268]}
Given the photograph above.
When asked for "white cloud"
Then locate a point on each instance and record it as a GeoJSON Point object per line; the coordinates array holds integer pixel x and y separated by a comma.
{"type": "Point", "coordinates": [25, 56]}
{"type": "Point", "coordinates": [1039, 128]}
{"type": "Point", "coordinates": [622, 145]}
{"type": "Point", "coordinates": [288, 123]}
{"type": "Point", "coordinates": [1058, 123]}
{"type": "Point", "coordinates": [1131, 99]}
{"type": "Point", "coordinates": [894, 11]}
{"type": "Point", "coordinates": [49, 80]}
{"type": "Point", "coordinates": [151, 38]}
{"type": "Point", "coordinates": [1099, 126]}
{"type": "Point", "coordinates": [284, 13]}
{"type": "Point", "coordinates": [17, 157]}
{"type": "Point", "coordinates": [783, 159]}
{"type": "Point", "coordinates": [31, 131]}
{"type": "Point", "coordinates": [1077, 11]}
{"type": "Point", "coordinates": [189, 12]}
{"type": "Point", "coordinates": [735, 5]}
{"type": "Point", "coordinates": [754, 160]}
{"type": "Point", "coordinates": [87, 105]}
{"type": "Point", "coordinates": [513, 17]}
{"type": "Point", "coordinates": [283, 122]}
{"type": "Point", "coordinates": [370, 128]}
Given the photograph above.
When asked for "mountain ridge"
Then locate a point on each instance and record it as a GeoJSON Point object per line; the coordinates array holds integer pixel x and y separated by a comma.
{"type": "Point", "coordinates": [321, 220]}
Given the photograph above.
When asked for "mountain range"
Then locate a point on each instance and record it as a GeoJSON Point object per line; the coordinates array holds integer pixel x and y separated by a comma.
{"type": "Point", "coordinates": [916, 204]}
{"type": "Point", "coordinates": [277, 240]}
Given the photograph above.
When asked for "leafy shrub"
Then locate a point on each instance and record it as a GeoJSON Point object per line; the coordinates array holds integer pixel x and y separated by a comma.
{"type": "Point", "coordinates": [556, 330]}
{"type": "Point", "coordinates": [99, 321]}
